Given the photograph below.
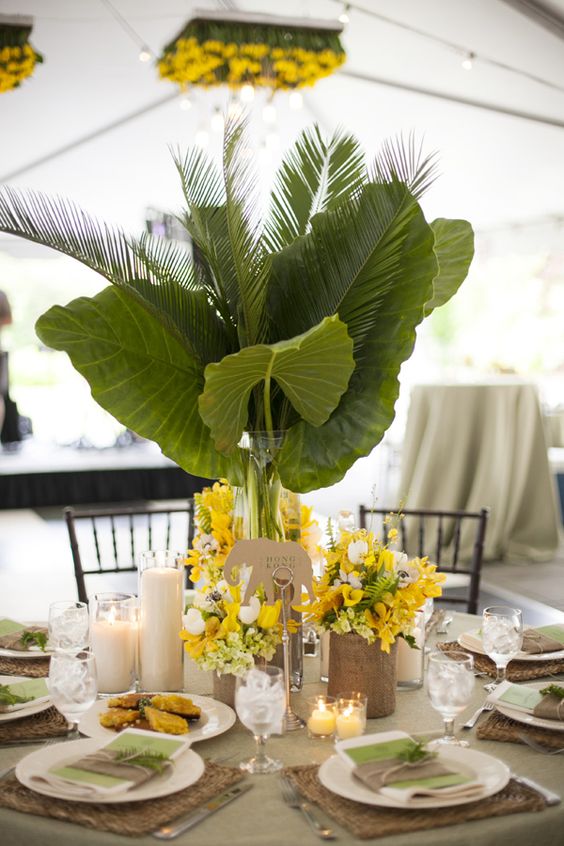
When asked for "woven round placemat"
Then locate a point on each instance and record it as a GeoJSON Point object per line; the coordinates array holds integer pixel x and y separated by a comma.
{"type": "Point", "coordinates": [47, 723]}
{"type": "Point", "coordinates": [35, 668]}
{"type": "Point", "coordinates": [128, 818]}
{"type": "Point", "coordinates": [500, 727]}
{"type": "Point", "coordinates": [516, 670]}
{"type": "Point", "coordinates": [367, 822]}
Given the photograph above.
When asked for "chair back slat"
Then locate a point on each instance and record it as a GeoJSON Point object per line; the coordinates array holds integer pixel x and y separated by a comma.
{"type": "Point", "coordinates": [114, 541]}
{"type": "Point", "coordinates": [421, 536]}
{"type": "Point", "coordinates": [131, 540]}
{"type": "Point", "coordinates": [456, 543]}
{"type": "Point", "coordinates": [96, 543]}
{"type": "Point", "coordinates": [439, 547]}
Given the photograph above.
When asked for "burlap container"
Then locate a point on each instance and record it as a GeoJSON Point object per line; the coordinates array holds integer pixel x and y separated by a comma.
{"type": "Point", "coordinates": [355, 664]}
{"type": "Point", "coordinates": [224, 688]}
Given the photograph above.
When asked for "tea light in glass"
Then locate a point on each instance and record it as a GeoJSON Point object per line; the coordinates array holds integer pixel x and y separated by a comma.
{"type": "Point", "coordinates": [321, 720]}
{"type": "Point", "coordinates": [113, 639]}
{"type": "Point", "coordinates": [350, 715]}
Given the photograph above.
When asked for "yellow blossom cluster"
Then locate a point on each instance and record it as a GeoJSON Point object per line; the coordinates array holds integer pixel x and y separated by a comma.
{"type": "Point", "coordinates": [370, 589]}
{"type": "Point", "coordinates": [16, 64]}
{"type": "Point", "coordinates": [192, 62]}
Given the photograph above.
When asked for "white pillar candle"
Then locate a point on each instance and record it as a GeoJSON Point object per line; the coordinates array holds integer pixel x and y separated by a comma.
{"type": "Point", "coordinates": [409, 660]}
{"type": "Point", "coordinates": [113, 644]}
{"type": "Point", "coordinates": [349, 723]}
{"type": "Point", "coordinates": [160, 647]}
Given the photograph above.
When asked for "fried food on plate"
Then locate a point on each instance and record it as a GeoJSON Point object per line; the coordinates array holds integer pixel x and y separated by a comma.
{"type": "Point", "coordinates": [175, 704]}
{"type": "Point", "coordinates": [167, 713]}
{"type": "Point", "coordinates": [164, 722]}
{"type": "Point", "coordinates": [117, 718]}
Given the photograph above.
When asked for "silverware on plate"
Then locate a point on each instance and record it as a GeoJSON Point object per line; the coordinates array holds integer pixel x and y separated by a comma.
{"type": "Point", "coordinates": [171, 830]}
{"type": "Point", "coordinates": [293, 799]}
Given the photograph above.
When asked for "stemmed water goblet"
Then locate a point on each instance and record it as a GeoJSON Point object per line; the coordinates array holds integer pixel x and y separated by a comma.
{"type": "Point", "coordinates": [450, 681]}
{"type": "Point", "coordinates": [73, 685]}
{"type": "Point", "coordinates": [502, 638]}
{"type": "Point", "coordinates": [68, 626]}
{"type": "Point", "coordinates": [260, 701]}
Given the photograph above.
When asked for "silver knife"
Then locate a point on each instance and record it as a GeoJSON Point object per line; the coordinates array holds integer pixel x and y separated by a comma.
{"type": "Point", "coordinates": [549, 797]}
{"type": "Point", "coordinates": [172, 830]}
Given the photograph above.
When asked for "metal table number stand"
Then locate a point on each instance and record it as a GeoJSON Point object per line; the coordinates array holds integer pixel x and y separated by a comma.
{"type": "Point", "coordinates": [282, 577]}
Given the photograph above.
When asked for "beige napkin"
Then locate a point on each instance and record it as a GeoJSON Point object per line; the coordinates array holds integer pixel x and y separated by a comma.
{"type": "Point", "coordinates": [550, 707]}
{"type": "Point", "coordinates": [535, 643]}
{"type": "Point", "coordinates": [376, 774]}
{"type": "Point", "coordinates": [13, 640]}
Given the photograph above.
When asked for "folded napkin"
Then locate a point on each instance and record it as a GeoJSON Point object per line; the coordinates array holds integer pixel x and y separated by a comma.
{"type": "Point", "coordinates": [11, 633]}
{"type": "Point", "coordinates": [544, 639]}
{"type": "Point", "coordinates": [115, 768]}
{"type": "Point", "coordinates": [28, 692]}
{"type": "Point", "coordinates": [529, 700]}
{"type": "Point", "coordinates": [403, 781]}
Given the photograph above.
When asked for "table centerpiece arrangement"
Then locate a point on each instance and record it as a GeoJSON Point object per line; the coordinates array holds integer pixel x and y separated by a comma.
{"type": "Point", "coordinates": [367, 598]}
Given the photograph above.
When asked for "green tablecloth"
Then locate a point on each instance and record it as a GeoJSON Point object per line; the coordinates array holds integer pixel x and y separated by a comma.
{"type": "Point", "coordinates": [260, 818]}
{"type": "Point", "coordinates": [474, 446]}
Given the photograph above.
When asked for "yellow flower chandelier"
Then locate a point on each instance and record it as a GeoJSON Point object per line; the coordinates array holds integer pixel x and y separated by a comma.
{"type": "Point", "coordinates": [17, 57]}
{"type": "Point", "coordinates": [262, 51]}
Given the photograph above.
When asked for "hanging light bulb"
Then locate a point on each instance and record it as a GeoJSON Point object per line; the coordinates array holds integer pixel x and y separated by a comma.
{"type": "Point", "coordinates": [202, 137]}
{"type": "Point", "coordinates": [468, 61]}
{"type": "Point", "coordinates": [344, 16]}
{"type": "Point", "coordinates": [247, 93]}
{"type": "Point", "coordinates": [269, 113]}
{"type": "Point", "coordinates": [296, 100]}
{"type": "Point", "coordinates": [145, 54]}
{"type": "Point", "coordinates": [185, 103]}
{"type": "Point", "coordinates": [217, 121]}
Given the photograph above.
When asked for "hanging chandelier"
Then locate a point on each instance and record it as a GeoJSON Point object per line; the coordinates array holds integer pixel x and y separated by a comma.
{"type": "Point", "coordinates": [17, 57]}
{"type": "Point", "coordinates": [237, 49]}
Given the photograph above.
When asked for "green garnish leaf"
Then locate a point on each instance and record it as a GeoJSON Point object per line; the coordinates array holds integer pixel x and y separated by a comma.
{"type": "Point", "coordinates": [34, 639]}
{"type": "Point", "coordinates": [410, 640]}
{"type": "Point", "coordinates": [553, 689]}
{"type": "Point", "coordinates": [144, 758]}
{"type": "Point", "coordinates": [415, 752]}
{"type": "Point", "coordinates": [9, 698]}
{"type": "Point", "coordinates": [142, 704]}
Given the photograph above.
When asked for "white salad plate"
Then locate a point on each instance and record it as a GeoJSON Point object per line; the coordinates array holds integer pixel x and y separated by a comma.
{"type": "Point", "coordinates": [187, 769]}
{"type": "Point", "coordinates": [23, 709]}
{"type": "Point", "coordinates": [216, 718]}
{"type": "Point", "coordinates": [473, 640]}
{"type": "Point", "coordinates": [337, 776]}
{"type": "Point", "coordinates": [529, 719]}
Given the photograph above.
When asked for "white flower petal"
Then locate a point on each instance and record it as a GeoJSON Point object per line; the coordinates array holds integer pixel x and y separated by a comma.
{"type": "Point", "coordinates": [356, 551]}
{"type": "Point", "coordinates": [194, 623]}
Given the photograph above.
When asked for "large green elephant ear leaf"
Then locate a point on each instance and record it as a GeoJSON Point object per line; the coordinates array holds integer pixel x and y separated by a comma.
{"type": "Point", "coordinates": [312, 369]}
{"type": "Point", "coordinates": [139, 372]}
{"type": "Point", "coordinates": [454, 248]}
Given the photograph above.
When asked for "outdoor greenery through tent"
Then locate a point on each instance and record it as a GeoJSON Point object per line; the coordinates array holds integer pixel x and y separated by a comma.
{"type": "Point", "coordinates": [299, 322]}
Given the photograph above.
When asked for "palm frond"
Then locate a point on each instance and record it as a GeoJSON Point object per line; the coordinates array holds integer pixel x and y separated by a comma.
{"type": "Point", "coordinates": [202, 185]}
{"type": "Point", "coordinates": [60, 224]}
{"type": "Point", "coordinates": [250, 259]}
{"type": "Point", "coordinates": [167, 261]}
{"type": "Point", "coordinates": [401, 161]}
{"type": "Point", "coordinates": [315, 175]}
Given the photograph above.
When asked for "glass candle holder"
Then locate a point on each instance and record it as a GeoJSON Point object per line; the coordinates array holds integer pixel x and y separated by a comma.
{"type": "Point", "coordinates": [321, 717]}
{"type": "Point", "coordinates": [161, 600]}
{"type": "Point", "coordinates": [411, 659]}
{"type": "Point", "coordinates": [350, 718]}
{"type": "Point", "coordinates": [113, 636]}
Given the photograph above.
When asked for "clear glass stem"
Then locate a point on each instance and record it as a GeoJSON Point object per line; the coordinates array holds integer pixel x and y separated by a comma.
{"type": "Point", "coordinates": [501, 673]}
{"type": "Point", "coordinates": [449, 729]}
{"type": "Point", "coordinates": [261, 757]}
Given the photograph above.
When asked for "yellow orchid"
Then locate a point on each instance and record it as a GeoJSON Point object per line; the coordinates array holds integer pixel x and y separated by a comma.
{"type": "Point", "coordinates": [351, 596]}
{"type": "Point", "coordinates": [268, 615]}
{"type": "Point", "coordinates": [230, 622]}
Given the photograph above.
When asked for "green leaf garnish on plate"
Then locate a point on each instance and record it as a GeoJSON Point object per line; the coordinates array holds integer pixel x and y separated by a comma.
{"type": "Point", "coordinates": [9, 698]}
{"type": "Point", "coordinates": [416, 751]}
{"type": "Point", "coordinates": [553, 689]}
{"type": "Point", "coordinates": [144, 758]}
{"type": "Point", "coordinates": [34, 639]}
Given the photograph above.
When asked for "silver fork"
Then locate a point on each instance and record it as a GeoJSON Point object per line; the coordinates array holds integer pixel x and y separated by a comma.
{"type": "Point", "coordinates": [487, 706]}
{"type": "Point", "coordinates": [538, 747]}
{"type": "Point", "coordinates": [293, 799]}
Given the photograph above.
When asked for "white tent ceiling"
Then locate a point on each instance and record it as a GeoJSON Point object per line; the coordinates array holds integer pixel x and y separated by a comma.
{"type": "Point", "coordinates": [496, 167]}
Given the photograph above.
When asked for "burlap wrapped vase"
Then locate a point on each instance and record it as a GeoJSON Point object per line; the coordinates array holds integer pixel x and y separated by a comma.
{"type": "Point", "coordinates": [224, 688]}
{"type": "Point", "coordinates": [355, 664]}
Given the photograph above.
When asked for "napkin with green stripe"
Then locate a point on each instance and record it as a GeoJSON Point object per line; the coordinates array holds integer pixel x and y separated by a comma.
{"type": "Point", "coordinates": [19, 695]}
{"type": "Point", "coordinates": [20, 638]}
{"type": "Point", "coordinates": [543, 639]}
{"type": "Point", "coordinates": [546, 703]}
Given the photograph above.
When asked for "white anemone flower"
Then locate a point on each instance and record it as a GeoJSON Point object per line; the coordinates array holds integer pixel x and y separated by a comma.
{"type": "Point", "coordinates": [407, 572]}
{"type": "Point", "coordinates": [194, 623]}
{"type": "Point", "coordinates": [206, 544]}
{"type": "Point", "coordinates": [356, 551]}
{"type": "Point", "coordinates": [351, 579]}
{"type": "Point", "coordinates": [249, 613]}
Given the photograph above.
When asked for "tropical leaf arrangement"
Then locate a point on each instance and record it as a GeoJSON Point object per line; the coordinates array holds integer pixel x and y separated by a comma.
{"type": "Point", "coordinates": [298, 321]}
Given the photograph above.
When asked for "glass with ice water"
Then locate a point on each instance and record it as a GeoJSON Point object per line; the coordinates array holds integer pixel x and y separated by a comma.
{"type": "Point", "coordinates": [502, 638]}
{"type": "Point", "coordinates": [72, 684]}
{"type": "Point", "coordinates": [450, 681]}
{"type": "Point", "coordinates": [260, 701]}
{"type": "Point", "coordinates": [68, 626]}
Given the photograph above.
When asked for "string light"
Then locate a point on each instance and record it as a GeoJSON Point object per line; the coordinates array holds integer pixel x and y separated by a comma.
{"type": "Point", "coordinates": [468, 61]}
{"type": "Point", "coordinates": [247, 93]}
{"type": "Point", "coordinates": [185, 103]}
{"type": "Point", "coordinates": [269, 113]}
{"type": "Point", "coordinates": [145, 54]}
{"type": "Point", "coordinates": [296, 100]}
{"type": "Point", "coordinates": [344, 17]}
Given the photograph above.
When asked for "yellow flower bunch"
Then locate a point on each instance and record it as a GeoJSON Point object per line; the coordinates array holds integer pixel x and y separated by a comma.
{"type": "Point", "coordinates": [16, 64]}
{"type": "Point", "coordinates": [371, 590]}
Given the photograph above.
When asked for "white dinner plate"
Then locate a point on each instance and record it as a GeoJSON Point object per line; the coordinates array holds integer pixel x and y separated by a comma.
{"type": "Point", "coordinates": [25, 709]}
{"type": "Point", "coordinates": [216, 718]}
{"type": "Point", "coordinates": [337, 777]}
{"type": "Point", "coordinates": [472, 640]}
{"type": "Point", "coordinates": [36, 652]}
{"type": "Point", "coordinates": [187, 769]}
{"type": "Point", "coordinates": [529, 719]}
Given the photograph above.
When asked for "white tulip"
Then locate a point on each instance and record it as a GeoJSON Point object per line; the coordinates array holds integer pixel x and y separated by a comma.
{"type": "Point", "coordinates": [356, 551]}
{"type": "Point", "coordinates": [249, 613]}
{"type": "Point", "coordinates": [194, 623]}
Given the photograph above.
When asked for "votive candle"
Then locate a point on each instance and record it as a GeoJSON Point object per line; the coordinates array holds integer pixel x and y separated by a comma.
{"type": "Point", "coordinates": [321, 721]}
